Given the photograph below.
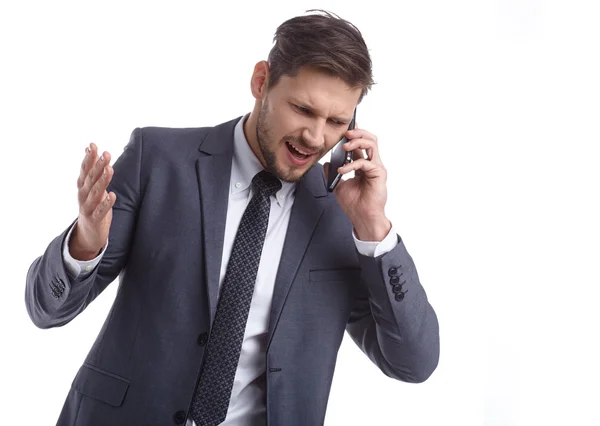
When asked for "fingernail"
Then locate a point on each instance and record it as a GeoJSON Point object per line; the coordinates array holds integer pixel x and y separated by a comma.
{"type": "Point", "coordinates": [102, 158]}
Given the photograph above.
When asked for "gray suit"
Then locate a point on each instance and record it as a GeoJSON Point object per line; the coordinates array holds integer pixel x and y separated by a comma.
{"type": "Point", "coordinates": [165, 245]}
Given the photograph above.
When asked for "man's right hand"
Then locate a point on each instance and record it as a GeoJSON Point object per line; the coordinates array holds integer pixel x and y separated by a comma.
{"type": "Point", "coordinates": [95, 205]}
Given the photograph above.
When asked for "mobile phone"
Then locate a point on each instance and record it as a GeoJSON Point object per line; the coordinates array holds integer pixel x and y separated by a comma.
{"type": "Point", "coordinates": [339, 158]}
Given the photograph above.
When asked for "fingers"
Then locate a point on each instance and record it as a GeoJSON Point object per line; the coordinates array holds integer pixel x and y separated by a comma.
{"type": "Point", "coordinates": [87, 164]}
{"type": "Point", "coordinates": [361, 133]}
{"type": "Point", "coordinates": [360, 166]}
{"type": "Point", "coordinates": [107, 203]}
{"type": "Point", "coordinates": [101, 176]}
{"type": "Point", "coordinates": [361, 139]}
{"type": "Point", "coordinates": [95, 175]}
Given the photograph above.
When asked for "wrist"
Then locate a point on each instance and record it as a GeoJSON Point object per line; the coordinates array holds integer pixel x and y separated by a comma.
{"type": "Point", "coordinates": [375, 229]}
{"type": "Point", "coordinates": [79, 250]}
{"type": "Point", "coordinates": [82, 254]}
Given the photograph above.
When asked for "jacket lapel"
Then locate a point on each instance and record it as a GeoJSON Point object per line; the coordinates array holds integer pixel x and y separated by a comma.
{"type": "Point", "coordinates": [213, 169]}
{"type": "Point", "coordinates": [306, 212]}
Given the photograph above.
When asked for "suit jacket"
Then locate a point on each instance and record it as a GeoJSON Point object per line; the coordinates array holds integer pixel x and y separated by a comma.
{"type": "Point", "coordinates": [165, 244]}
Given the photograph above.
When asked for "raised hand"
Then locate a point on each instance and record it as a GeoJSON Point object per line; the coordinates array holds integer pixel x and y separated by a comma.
{"type": "Point", "coordinates": [95, 205]}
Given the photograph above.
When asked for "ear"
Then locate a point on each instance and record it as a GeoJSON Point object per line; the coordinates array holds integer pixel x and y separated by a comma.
{"type": "Point", "coordinates": [259, 80]}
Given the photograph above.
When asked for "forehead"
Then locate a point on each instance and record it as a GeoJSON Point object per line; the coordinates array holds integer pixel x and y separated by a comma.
{"type": "Point", "coordinates": [319, 90]}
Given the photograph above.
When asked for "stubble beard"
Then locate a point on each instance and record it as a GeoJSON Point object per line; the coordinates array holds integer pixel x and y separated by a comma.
{"type": "Point", "coordinates": [266, 145]}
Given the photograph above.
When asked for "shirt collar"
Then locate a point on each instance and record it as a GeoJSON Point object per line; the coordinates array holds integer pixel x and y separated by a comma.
{"type": "Point", "coordinates": [245, 165]}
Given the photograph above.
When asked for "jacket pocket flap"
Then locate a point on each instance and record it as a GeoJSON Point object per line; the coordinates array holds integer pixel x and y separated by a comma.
{"type": "Point", "coordinates": [101, 385]}
{"type": "Point", "coordinates": [334, 275]}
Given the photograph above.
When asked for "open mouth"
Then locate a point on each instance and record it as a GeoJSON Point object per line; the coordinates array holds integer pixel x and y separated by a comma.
{"type": "Point", "coordinates": [297, 153]}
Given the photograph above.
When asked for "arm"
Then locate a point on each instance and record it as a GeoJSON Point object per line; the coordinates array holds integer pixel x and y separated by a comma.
{"type": "Point", "coordinates": [392, 320]}
{"type": "Point", "coordinates": [52, 296]}
{"type": "Point", "coordinates": [79, 269]}
{"type": "Point", "coordinates": [395, 327]}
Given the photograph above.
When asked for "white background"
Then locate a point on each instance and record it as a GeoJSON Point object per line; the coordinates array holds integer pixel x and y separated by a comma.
{"type": "Point", "coordinates": [487, 113]}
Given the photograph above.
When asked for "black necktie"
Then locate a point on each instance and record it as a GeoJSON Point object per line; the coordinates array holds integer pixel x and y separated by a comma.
{"type": "Point", "coordinates": [211, 399]}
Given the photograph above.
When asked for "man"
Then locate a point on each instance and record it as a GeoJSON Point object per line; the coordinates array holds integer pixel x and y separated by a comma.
{"type": "Point", "coordinates": [239, 272]}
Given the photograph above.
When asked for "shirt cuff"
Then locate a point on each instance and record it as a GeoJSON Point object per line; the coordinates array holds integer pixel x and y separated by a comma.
{"type": "Point", "coordinates": [376, 248]}
{"type": "Point", "coordinates": [79, 269]}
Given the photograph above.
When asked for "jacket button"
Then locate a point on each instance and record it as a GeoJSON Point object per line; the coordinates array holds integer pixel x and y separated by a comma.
{"type": "Point", "coordinates": [179, 417]}
{"type": "Point", "coordinates": [392, 272]}
{"type": "Point", "coordinates": [397, 289]}
{"type": "Point", "coordinates": [394, 280]}
{"type": "Point", "coordinates": [399, 296]}
{"type": "Point", "coordinates": [202, 339]}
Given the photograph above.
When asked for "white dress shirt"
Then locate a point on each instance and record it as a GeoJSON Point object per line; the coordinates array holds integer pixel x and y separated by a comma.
{"type": "Point", "coordinates": [246, 406]}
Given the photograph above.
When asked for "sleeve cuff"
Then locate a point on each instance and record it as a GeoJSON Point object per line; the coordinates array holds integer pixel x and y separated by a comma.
{"type": "Point", "coordinates": [79, 269]}
{"type": "Point", "coordinates": [376, 248]}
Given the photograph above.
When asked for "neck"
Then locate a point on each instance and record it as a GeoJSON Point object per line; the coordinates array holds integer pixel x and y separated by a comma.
{"type": "Point", "coordinates": [250, 133]}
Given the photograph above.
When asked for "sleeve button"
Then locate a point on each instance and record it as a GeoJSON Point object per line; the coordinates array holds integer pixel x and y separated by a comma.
{"type": "Point", "coordinates": [397, 289]}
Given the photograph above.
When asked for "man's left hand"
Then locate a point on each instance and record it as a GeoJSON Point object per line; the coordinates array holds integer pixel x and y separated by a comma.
{"type": "Point", "coordinates": [363, 197]}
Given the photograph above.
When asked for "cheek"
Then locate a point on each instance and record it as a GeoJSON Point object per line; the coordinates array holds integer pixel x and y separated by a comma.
{"type": "Point", "coordinates": [275, 129]}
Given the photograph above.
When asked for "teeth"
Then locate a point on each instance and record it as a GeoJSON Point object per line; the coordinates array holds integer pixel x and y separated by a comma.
{"type": "Point", "coordinates": [301, 152]}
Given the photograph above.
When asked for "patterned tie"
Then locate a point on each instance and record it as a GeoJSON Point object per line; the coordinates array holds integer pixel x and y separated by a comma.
{"type": "Point", "coordinates": [211, 399]}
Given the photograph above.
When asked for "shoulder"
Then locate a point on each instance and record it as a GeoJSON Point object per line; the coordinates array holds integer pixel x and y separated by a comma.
{"type": "Point", "coordinates": [155, 134]}
{"type": "Point", "coordinates": [176, 141]}
{"type": "Point", "coordinates": [152, 135]}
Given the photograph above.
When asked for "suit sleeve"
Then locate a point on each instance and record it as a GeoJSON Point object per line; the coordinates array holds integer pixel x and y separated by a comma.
{"type": "Point", "coordinates": [52, 297]}
{"type": "Point", "coordinates": [393, 322]}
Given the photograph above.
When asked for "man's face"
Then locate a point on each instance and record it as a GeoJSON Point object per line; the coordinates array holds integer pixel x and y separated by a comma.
{"type": "Point", "coordinates": [308, 113]}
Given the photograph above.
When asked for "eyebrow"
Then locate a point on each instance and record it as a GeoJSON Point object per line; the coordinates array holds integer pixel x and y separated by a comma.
{"type": "Point", "coordinates": [309, 107]}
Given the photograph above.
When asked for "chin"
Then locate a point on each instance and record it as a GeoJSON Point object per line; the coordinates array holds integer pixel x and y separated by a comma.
{"type": "Point", "coordinates": [292, 174]}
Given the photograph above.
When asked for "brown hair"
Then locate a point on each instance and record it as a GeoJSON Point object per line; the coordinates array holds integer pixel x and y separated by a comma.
{"type": "Point", "coordinates": [323, 41]}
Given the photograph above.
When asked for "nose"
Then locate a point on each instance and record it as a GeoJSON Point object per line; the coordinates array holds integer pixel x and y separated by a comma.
{"type": "Point", "coordinates": [314, 134]}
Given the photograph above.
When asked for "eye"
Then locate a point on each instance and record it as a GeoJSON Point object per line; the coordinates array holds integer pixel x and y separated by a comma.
{"type": "Point", "coordinates": [337, 123]}
{"type": "Point", "coordinates": [302, 109]}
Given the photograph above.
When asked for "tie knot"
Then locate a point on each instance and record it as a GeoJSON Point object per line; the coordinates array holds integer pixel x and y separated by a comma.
{"type": "Point", "coordinates": [265, 183]}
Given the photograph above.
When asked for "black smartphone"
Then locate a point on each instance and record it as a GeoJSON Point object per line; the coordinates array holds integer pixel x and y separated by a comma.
{"type": "Point", "coordinates": [339, 158]}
